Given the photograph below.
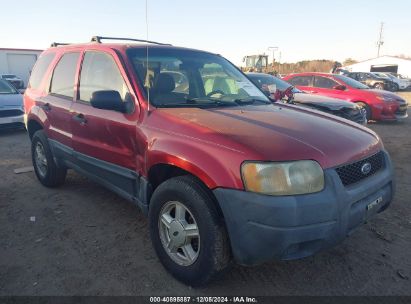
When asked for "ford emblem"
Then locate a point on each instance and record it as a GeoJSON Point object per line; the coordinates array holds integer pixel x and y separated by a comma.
{"type": "Point", "coordinates": [366, 168]}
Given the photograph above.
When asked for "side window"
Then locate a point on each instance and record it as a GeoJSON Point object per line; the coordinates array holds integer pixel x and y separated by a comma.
{"type": "Point", "coordinates": [323, 82]}
{"type": "Point", "coordinates": [99, 72]}
{"type": "Point", "coordinates": [40, 69]}
{"type": "Point", "coordinates": [62, 82]}
{"type": "Point", "coordinates": [304, 81]}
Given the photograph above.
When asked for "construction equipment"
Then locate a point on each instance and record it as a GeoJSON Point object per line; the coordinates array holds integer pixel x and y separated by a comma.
{"type": "Point", "coordinates": [256, 63]}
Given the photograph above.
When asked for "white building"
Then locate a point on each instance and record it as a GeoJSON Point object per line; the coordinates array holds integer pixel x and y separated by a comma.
{"type": "Point", "coordinates": [383, 64]}
{"type": "Point", "coordinates": [19, 62]}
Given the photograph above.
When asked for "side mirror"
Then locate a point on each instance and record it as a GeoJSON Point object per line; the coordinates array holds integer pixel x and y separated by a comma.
{"type": "Point", "coordinates": [340, 87]}
{"type": "Point", "coordinates": [107, 100]}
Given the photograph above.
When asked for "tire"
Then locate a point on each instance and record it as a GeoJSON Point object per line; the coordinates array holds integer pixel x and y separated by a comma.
{"type": "Point", "coordinates": [379, 86]}
{"type": "Point", "coordinates": [46, 169]}
{"type": "Point", "coordinates": [395, 87]}
{"type": "Point", "coordinates": [210, 251]}
{"type": "Point", "coordinates": [368, 112]}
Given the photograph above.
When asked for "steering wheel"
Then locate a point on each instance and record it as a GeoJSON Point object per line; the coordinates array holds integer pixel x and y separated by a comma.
{"type": "Point", "coordinates": [215, 92]}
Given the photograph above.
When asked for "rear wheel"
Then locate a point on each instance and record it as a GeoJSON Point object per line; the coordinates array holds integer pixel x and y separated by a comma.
{"type": "Point", "coordinates": [47, 171]}
{"type": "Point", "coordinates": [187, 232]}
{"type": "Point", "coordinates": [379, 86]}
{"type": "Point", "coordinates": [368, 112]}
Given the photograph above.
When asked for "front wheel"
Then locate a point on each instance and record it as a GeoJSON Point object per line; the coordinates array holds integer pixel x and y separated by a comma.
{"type": "Point", "coordinates": [368, 112]}
{"type": "Point", "coordinates": [187, 232]}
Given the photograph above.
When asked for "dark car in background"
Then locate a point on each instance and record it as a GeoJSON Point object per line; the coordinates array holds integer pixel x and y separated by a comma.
{"type": "Point", "coordinates": [378, 104]}
{"type": "Point", "coordinates": [11, 106]}
{"type": "Point", "coordinates": [17, 82]}
{"type": "Point", "coordinates": [373, 81]}
{"type": "Point", "coordinates": [329, 105]}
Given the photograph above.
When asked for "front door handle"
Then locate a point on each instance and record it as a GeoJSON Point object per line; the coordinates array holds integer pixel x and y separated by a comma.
{"type": "Point", "coordinates": [313, 92]}
{"type": "Point", "coordinates": [80, 119]}
{"type": "Point", "coordinates": [46, 107]}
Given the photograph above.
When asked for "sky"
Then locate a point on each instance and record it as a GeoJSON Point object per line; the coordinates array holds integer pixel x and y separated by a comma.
{"type": "Point", "coordinates": [303, 30]}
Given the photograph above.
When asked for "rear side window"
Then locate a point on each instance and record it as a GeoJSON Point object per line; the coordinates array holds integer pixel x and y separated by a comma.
{"type": "Point", "coordinates": [64, 73]}
{"type": "Point", "coordinates": [99, 72]}
{"type": "Point", "coordinates": [323, 82]}
{"type": "Point", "coordinates": [40, 69]}
{"type": "Point", "coordinates": [304, 81]}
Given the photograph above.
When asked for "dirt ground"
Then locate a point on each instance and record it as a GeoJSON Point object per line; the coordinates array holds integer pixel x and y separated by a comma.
{"type": "Point", "coordinates": [85, 240]}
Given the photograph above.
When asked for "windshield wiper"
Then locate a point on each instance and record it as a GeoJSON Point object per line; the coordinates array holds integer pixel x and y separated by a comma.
{"type": "Point", "coordinates": [197, 103]}
{"type": "Point", "coordinates": [208, 102]}
{"type": "Point", "coordinates": [245, 101]}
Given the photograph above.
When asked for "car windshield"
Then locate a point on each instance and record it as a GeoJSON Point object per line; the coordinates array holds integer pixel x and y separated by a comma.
{"type": "Point", "coordinates": [266, 80]}
{"type": "Point", "coordinates": [351, 82]}
{"type": "Point", "coordinates": [187, 78]}
{"type": "Point", "coordinates": [6, 88]}
{"type": "Point", "coordinates": [381, 75]}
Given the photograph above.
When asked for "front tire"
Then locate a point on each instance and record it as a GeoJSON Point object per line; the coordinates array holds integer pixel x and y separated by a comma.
{"type": "Point", "coordinates": [368, 112]}
{"type": "Point", "coordinates": [47, 171]}
{"type": "Point", "coordinates": [187, 232]}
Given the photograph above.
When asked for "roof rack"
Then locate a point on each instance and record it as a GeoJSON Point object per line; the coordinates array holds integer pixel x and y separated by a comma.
{"type": "Point", "coordinates": [99, 38]}
{"type": "Point", "coordinates": [55, 44]}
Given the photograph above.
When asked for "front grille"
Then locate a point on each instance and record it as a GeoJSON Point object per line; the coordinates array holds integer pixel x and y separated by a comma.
{"type": "Point", "coordinates": [351, 174]}
{"type": "Point", "coordinates": [10, 113]}
{"type": "Point", "coordinates": [402, 109]}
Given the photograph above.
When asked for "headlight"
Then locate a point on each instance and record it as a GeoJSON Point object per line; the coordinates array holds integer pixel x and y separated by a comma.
{"type": "Point", "coordinates": [290, 178]}
{"type": "Point", "coordinates": [386, 99]}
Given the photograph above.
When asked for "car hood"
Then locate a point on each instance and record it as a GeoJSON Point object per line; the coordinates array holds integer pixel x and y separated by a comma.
{"type": "Point", "coordinates": [323, 101]}
{"type": "Point", "coordinates": [387, 95]}
{"type": "Point", "coordinates": [11, 100]}
{"type": "Point", "coordinates": [273, 133]}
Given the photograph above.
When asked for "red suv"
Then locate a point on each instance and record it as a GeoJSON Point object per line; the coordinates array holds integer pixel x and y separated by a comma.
{"type": "Point", "coordinates": [220, 170]}
{"type": "Point", "coordinates": [379, 104]}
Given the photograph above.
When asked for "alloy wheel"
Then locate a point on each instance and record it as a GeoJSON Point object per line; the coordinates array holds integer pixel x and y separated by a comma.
{"type": "Point", "coordinates": [179, 233]}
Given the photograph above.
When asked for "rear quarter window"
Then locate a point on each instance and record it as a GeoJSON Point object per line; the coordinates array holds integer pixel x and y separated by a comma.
{"type": "Point", "coordinates": [40, 69]}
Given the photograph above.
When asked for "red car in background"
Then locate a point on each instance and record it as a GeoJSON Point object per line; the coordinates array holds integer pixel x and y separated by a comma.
{"type": "Point", "coordinates": [379, 105]}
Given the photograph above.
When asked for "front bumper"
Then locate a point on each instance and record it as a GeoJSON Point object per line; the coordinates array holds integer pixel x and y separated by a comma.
{"type": "Point", "coordinates": [11, 122]}
{"type": "Point", "coordinates": [263, 228]}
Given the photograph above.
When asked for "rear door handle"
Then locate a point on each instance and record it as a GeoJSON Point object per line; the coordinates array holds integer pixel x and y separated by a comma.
{"type": "Point", "coordinates": [80, 119]}
{"type": "Point", "coordinates": [313, 92]}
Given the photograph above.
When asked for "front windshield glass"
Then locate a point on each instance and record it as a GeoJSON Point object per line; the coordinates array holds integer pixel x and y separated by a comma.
{"type": "Point", "coordinates": [6, 88]}
{"type": "Point", "coordinates": [179, 77]}
{"type": "Point", "coordinates": [267, 80]}
{"type": "Point", "coordinates": [351, 82]}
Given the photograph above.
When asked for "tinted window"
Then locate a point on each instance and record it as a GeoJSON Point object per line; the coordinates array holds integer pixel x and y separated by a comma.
{"type": "Point", "coordinates": [304, 81]}
{"type": "Point", "coordinates": [64, 73]}
{"type": "Point", "coordinates": [99, 72]}
{"type": "Point", "coordinates": [323, 82]}
{"type": "Point", "coordinates": [40, 69]}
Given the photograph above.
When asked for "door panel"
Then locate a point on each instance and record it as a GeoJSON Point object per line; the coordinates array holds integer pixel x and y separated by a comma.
{"type": "Point", "coordinates": [104, 141]}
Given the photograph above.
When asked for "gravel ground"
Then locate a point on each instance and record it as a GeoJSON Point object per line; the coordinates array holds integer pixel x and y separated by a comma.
{"type": "Point", "coordinates": [81, 239]}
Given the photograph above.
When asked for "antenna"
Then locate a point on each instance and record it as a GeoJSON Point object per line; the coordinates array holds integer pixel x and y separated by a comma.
{"type": "Point", "coordinates": [147, 75]}
{"type": "Point", "coordinates": [380, 42]}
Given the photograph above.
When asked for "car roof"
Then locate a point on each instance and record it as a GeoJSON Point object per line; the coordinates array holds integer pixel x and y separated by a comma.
{"type": "Point", "coordinates": [311, 74]}
{"type": "Point", "coordinates": [118, 46]}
